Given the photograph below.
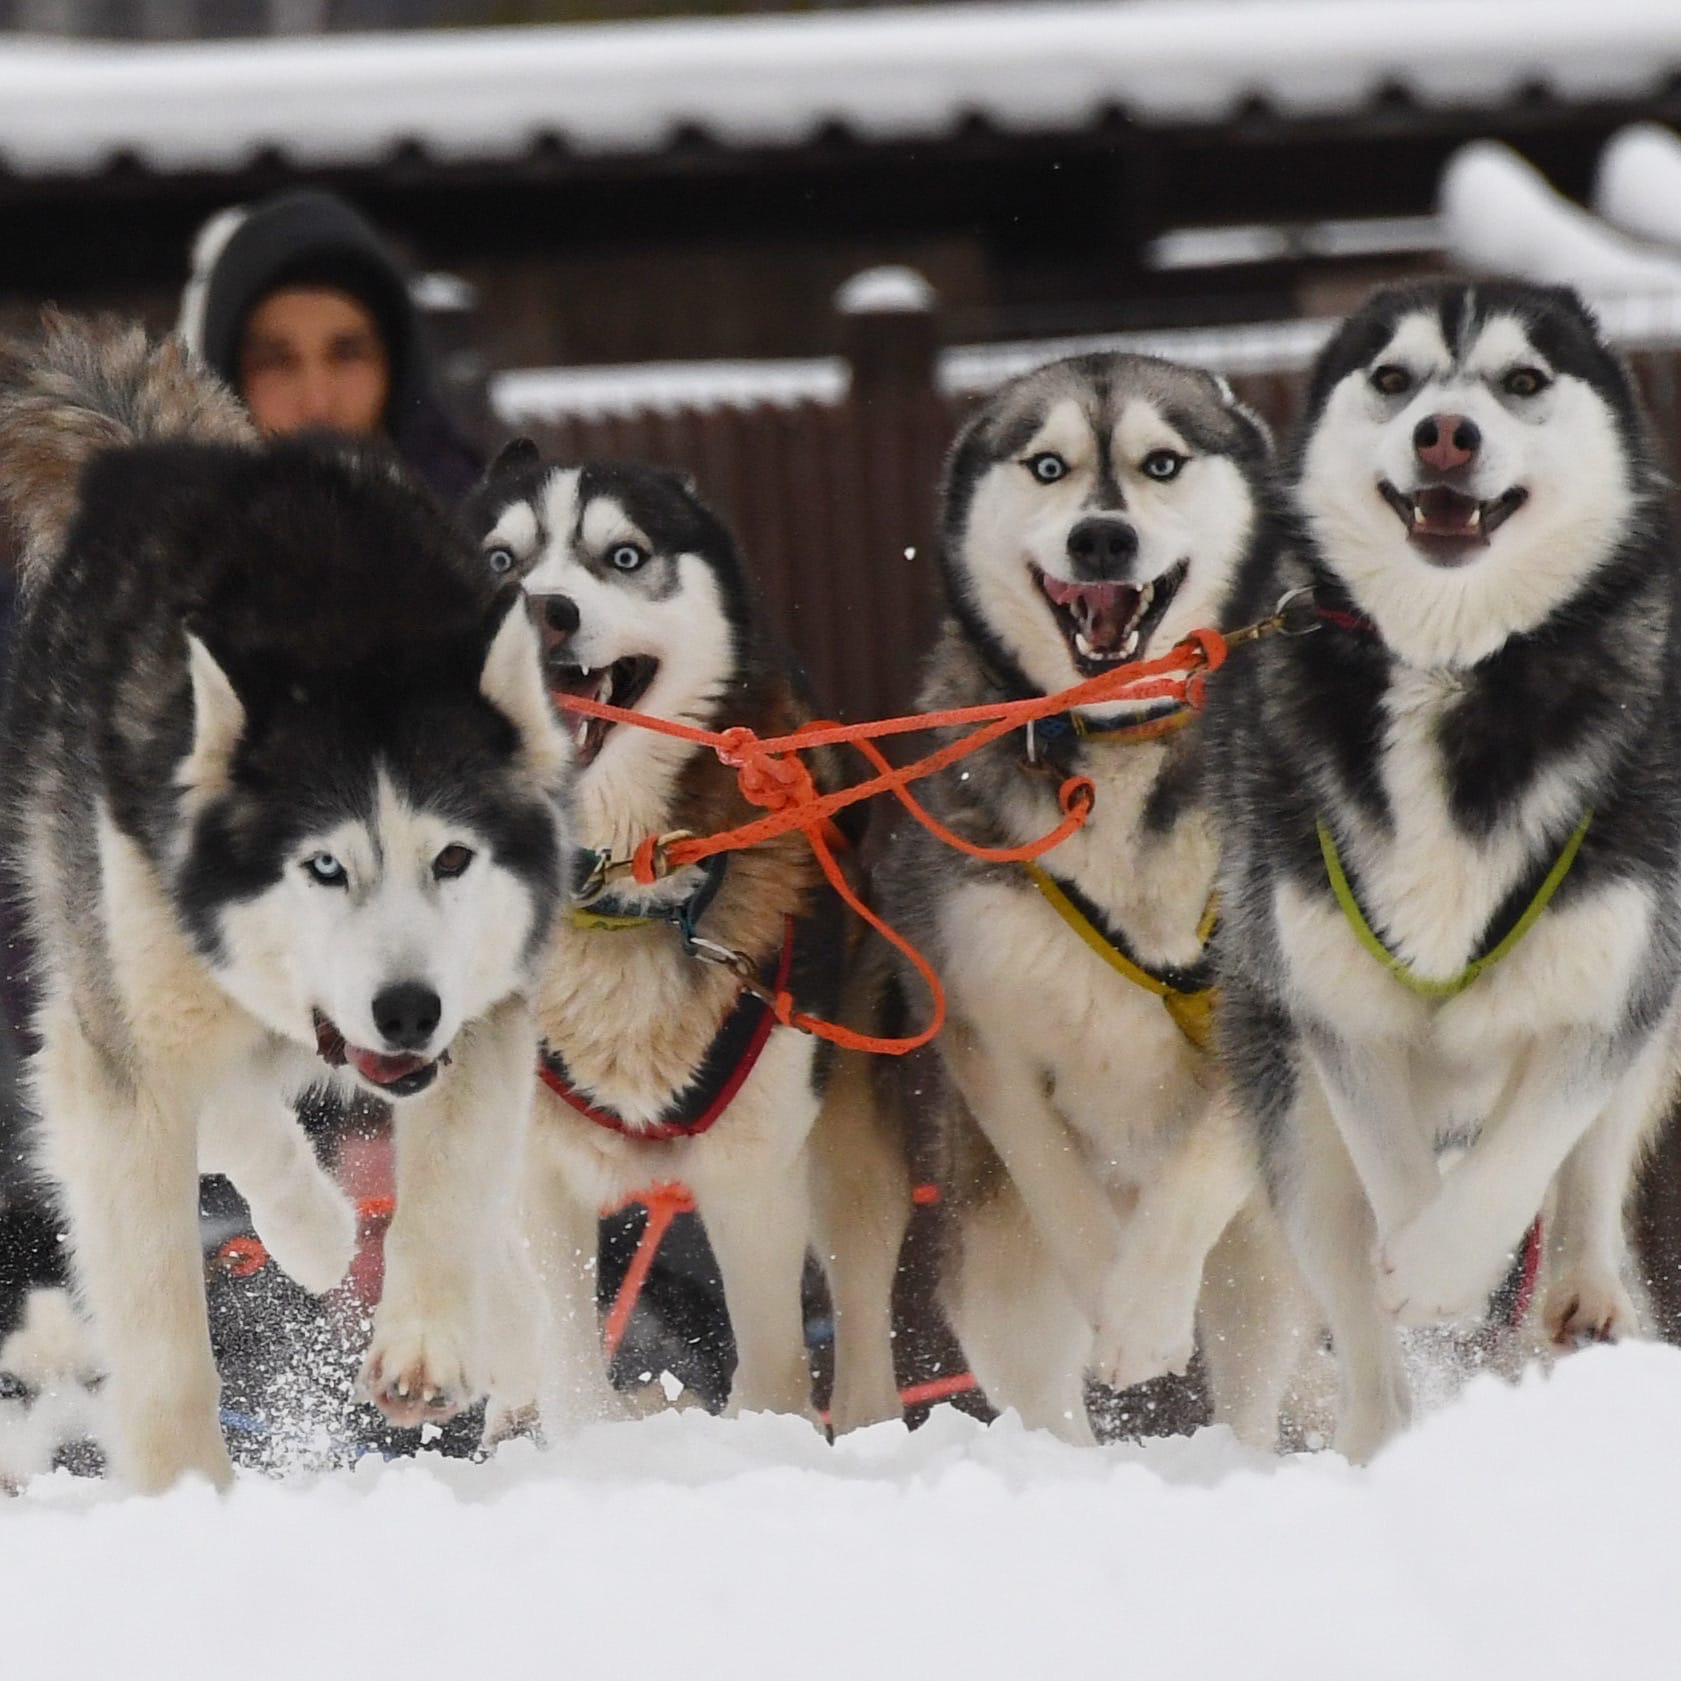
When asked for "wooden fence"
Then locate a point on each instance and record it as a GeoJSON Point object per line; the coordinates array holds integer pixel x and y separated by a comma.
{"type": "Point", "coordinates": [834, 502]}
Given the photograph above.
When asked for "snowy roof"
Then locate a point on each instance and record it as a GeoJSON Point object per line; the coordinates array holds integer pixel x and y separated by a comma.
{"type": "Point", "coordinates": [530, 396]}
{"type": "Point", "coordinates": [890, 74]}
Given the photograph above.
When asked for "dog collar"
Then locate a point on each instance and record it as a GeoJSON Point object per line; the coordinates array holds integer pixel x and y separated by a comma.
{"type": "Point", "coordinates": [604, 912]}
{"type": "Point", "coordinates": [1188, 995]}
{"type": "Point", "coordinates": [1501, 943]}
{"type": "Point", "coordinates": [1046, 735]}
{"type": "Point", "coordinates": [720, 1074]}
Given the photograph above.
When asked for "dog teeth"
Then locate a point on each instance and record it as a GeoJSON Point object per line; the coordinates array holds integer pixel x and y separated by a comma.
{"type": "Point", "coordinates": [1083, 647]}
{"type": "Point", "coordinates": [585, 670]}
{"type": "Point", "coordinates": [1130, 646]}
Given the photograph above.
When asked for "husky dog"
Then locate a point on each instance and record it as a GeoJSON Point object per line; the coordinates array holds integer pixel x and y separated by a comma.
{"type": "Point", "coordinates": [282, 788]}
{"type": "Point", "coordinates": [1094, 512]}
{"type": "Point", "coordinates": [660, 1066]}
{"type": "Point", "coordinates": [1449, 881]}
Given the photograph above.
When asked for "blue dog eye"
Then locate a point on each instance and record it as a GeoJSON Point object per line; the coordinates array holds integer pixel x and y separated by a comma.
{"type": "Point", "coordinates": [324, 868]}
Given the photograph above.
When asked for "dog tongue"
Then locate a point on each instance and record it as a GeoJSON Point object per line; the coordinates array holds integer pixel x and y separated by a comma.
{"type": "Point", "coordinates": [1447, 513]}
{"type": "Point", "coordinates": [1104, 611]}
{"type": "Point", "coordinates": [382, 1070]}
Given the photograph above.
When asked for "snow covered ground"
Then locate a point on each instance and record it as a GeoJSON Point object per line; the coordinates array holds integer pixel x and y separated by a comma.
{"type": "Point", "coordinates": [1517, 1532]}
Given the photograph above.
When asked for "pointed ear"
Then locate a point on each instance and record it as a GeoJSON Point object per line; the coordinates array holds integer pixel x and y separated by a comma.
{"type": "Point", "coordinates": [512, 681]}
{"type": "Point", "coordinates": [218, 721]}
{"type": "Point", "coordinates": [514, 456]}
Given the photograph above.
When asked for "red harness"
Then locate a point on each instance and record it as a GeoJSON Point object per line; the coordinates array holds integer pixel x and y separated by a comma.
{"type": "Point", "coordinates": [721, 1073]}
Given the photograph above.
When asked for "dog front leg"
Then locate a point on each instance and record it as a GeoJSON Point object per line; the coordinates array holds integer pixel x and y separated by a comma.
{"type": "Point", "coordinates": [304, 1219]}
{"type": "Point", "coordinates": [1065, 1200]}
{"type": "Point", "coordinates": [1369, 1090]}
{"type": "Point", "coordinates": [1445, 1261]}
{"type": "Point", "coordinates": [459, 1153]}
{"type": "Point", "coordinates": [757, 1215]}
{"type": "Point", "coordinates": [563, 1231]}
{"type": "Point", "coordinates": [862, 1191]}
{"type": "Point", "coordinates": [1586, 1234]}
{"type": "Point", "coordinates": [127, 1161]}
{"type": "Point", "coordinates": [1147, 1326]}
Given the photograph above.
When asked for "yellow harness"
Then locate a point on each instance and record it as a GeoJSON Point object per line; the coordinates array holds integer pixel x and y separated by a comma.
{"type": "Point", "coordinates": [1188, 996]}
{"type": "Point", "coordinates": [1402, 971]}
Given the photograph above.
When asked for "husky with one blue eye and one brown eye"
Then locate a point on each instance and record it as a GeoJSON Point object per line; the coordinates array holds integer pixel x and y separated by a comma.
{"type": "Point", "coordinates": [284, 801]}
{"type": "Point", "coordinates": [1452, 824]}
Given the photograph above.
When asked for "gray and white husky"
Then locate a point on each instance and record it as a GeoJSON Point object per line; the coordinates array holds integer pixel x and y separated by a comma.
{"type": "Point", "coordinates": [1094, 512]}
{"type": "Point", "coordinates": [1453, 821]}
{"type": "Point", "coordinates": [658, 1065]}
{"type": "Point", "coordinates": [282, 791]}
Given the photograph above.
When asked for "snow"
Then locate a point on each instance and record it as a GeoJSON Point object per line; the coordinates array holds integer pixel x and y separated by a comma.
{"type": "Point", "coordinates": [1638, 183]}
{"type": "Point", "coordinates": [1499, 215]}
{"type": "Point", "coordinates": [531, 396]}
{"type": "Point", "coordinates": [889, 290]}
{"type": "Point", "coordinates": [1517, 1531]}
{"type": "Point", "coordinates": [480, 95]}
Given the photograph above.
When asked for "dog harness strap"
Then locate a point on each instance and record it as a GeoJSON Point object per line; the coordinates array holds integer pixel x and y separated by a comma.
{"type": "Point", "coordinates": [1403, 972]}
{"type": "Point", "coordinates": [720, 1074]}
{"type": "Point", "coordinates": [607, 914]}
{"type": "Point", "coordinates": [1188, 995]}
{"type": "Point", "coordinates": [1050, 733]}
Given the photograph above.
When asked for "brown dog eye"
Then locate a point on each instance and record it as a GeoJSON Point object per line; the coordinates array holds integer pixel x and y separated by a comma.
{"type": "Point", "coordinates": [1391, 381]}
{"type": "Point", "coordinates": [451, 862]}
{"type": "Point", "coordinates": [1525, 382]}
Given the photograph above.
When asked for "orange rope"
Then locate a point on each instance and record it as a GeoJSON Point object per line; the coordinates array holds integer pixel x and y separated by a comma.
{"type": "Point", "coordinates": [772, 775]}
{"type": "Point", "coordinates": [664, 1203]}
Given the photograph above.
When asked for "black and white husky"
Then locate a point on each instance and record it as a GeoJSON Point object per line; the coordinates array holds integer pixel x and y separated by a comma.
{"type": "Point", "coordinates": [1453, 822]}
{"type": "Point", "coordinates": [658, 1065]}
{"type": "Point", "coordinates": [282, 791]}
{"type": "Point", "coordinates": [1094, 512]}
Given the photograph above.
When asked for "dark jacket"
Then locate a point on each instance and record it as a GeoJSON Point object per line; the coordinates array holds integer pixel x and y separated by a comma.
{"type": "Point", "coordinates": [312, 238]}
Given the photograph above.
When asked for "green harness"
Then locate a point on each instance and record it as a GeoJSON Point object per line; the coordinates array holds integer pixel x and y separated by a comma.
{"type": "Point", "coordinates": [1502, 947]}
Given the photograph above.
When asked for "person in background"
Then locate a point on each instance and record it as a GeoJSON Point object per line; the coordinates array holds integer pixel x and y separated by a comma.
{"type": "Point", "coordinates": [300, 305]}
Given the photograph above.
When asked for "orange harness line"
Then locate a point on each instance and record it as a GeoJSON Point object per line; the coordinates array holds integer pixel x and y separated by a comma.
{"type": "Point", "coordinates": [771, 774]}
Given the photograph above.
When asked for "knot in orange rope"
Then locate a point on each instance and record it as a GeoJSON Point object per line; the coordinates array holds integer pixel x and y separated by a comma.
{"type": "Point", "coordinates": [771, 780]}
{"type": "Point", "coordinates": [1212, 649]}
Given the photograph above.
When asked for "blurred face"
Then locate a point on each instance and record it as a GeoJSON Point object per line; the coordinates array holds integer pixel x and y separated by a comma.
{"type": "Point", "coordinates": [313, 357]}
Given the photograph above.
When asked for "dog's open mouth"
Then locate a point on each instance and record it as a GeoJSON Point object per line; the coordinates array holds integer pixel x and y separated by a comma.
{"type": "Point", "coordinates": [1446, 526]}
{"type": "Point", "coordinates": [1104, 624]}
{"type": "Point", "coordinates": [623, 684]}
{"type": "Point", "coordinates": [404, 1075]}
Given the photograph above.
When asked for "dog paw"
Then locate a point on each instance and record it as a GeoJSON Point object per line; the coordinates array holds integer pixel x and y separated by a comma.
{"type": "Point", "coordinates": [1151, 1338]}
{"type": "Point", "coordinates": [1428, 1271]}
{"type": "Point", "coordinates": [1582, 1308]}
{"type": "Point", "coordinates": [310, 1232]}
{"type": "Point", "coordinates": [416, 1371]}
{"type": "Point", "coordinates": [504, 1422]}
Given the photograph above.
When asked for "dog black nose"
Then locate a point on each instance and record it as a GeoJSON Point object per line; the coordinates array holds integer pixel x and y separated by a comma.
{"type": "Point", "coordinates": [407, 1015]}
{"type": "Point", "coordinates": [1102, 546]}
{"type": "Point", "coordinates": [560, 614]}
{"type": "Point", "coordinates": [1446, 442]}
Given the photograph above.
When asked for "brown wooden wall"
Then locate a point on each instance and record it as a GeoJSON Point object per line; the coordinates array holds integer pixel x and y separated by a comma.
{"type": "Point", "coordinates": [834, 506]}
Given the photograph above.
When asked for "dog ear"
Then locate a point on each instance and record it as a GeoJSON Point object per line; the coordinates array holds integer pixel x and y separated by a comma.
{"type": "Point", "coordinates": [218, 721]}
{"type": "Point", "coordinates": [511, 679]}
{"type": "Point", "coordinates": [1259, 433]}
{"type": "Point", "coordinates": [514, 457]}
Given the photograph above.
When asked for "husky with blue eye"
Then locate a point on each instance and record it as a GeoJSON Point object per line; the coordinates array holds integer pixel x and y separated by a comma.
{"type": "Point", "coordinates": [1073, 1113]}
{"type": "Point", "coordinates": [659, 1064]}
{"type": "Point", "coordinates": [1452, 824]}
{"type": "Point", "coordinates": [284, 799]}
